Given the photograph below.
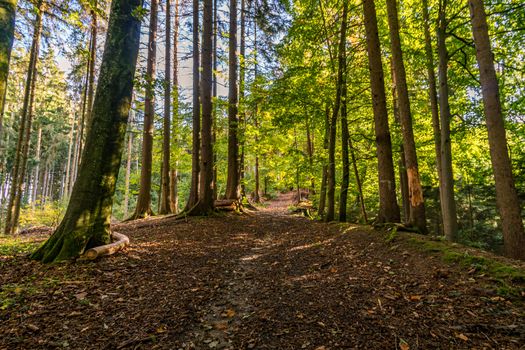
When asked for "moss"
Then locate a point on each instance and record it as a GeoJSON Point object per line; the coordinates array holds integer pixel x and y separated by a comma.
{"type": "Point", "coordinates": [508, 279]}
{"type": "Point", "coordinates": [15, 245]}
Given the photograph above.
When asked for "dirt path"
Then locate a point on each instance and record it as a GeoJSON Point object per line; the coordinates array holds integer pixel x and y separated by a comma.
{"type": "Point", "coordinates": [263, 281]}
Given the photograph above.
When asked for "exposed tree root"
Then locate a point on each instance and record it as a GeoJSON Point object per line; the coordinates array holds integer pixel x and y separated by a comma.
{"type": "Point", "coordinates": [120, 241]}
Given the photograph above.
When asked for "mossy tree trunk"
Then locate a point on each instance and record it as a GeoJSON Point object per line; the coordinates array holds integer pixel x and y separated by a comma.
{"type": "Point", "coordinates": [345, 135]}
{"type": "Point", "coordinates": [86, 223]}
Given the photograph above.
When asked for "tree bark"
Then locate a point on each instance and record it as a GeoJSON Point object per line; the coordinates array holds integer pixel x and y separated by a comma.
{"type": "Point", "coordinates": [432, 93]}
{"type": "Point", "coordinates": [86, 223]}
{"type": "Point", "coordinates": [143, 208]}
{"type": "Point", "coordinates": [232, 181]}
{"type": "Point", "coordinates": [194, 187]}
{"type": "Point", "coordinates": [7, 34]}
{"type": "Point", "coordinates": [331, 182]}
{"type": "Point", "coordinates": [206, 200]}
{"type": "Point", "coordinates": [506, 195]}
{"type": "Point", "coordinates": [24, 130]}
{"type": "Point", "coordinates": [388, 208]}
{"type": "Point", "coordinates": [214, 96]}
{"type": "Point", "coordinates": [174, 191]}
{"type": "Point", "coordinates": [417, 204]}
{"type": "Point", "coordinates": [322, 190]}
{"type": "Point", "coordinates": [345, 181]}
{"type": "Point", "coordinates": [129, 152]}
{"type": "Point", "coordinates": [448, 204]}
{"type": "Point", "coordinates": [166, 137]}
{"type": "Point", "coordinates": [92, 62]}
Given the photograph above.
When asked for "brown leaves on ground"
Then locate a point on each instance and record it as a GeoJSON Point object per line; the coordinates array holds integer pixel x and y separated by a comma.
{"type": "Point", "coordinates": [261, 281]}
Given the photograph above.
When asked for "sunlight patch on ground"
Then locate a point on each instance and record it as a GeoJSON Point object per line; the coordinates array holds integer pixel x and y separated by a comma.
{"type": "Point", "coordinates": [311, 245]}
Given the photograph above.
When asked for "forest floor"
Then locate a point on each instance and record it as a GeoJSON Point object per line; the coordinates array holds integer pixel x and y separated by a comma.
{"type": "Point", "coordinates": [264, 280]}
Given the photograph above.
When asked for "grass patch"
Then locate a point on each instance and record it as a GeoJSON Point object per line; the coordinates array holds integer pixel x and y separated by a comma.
{"type": "Point", "coordinates": [510, 280]}
{"type": "Point", "coordinates": [16, 245]}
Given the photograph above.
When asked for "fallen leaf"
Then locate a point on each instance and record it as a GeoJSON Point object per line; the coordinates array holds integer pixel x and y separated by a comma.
{"type": "Point", "coordinates": [403, 345]}
{"type": "Point", "coordinates": [462, 336]}
{"type": "Point", "coordinates": [415, 297]}
{"type": "Point", "coordinates": [81, 296]}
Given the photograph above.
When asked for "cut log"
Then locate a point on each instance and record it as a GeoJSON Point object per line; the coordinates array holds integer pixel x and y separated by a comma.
{"type": "Point", "coordinates": [227, 204]}
{"type": "Point", "coordinates": [120, 241]}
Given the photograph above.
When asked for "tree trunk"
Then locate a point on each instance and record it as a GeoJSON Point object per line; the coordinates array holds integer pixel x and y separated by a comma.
{"type": "Point", "coordinates": [174, 193]}
{"type": "Point", "coordinates": [214, 96]}
{"type": "Point", "coordinates": [86, 223]}
{"type": "Point", "coordinates": [432, 93]}
{"type": "Point", "coordinates": [506, 195]}
{"type": "Point", "coordinates": [143, 208]}
{"type": "Point", "coordinates": [345, 181]}
{"type": "Point", "coordinates": [92, 62]}
{"type": "Point", "coordinates": [129, 152]}
{"type": "Point", "coordinates": [166, 137]}
{"type": "Point", "coordinates": [36, 172]}
{"type": "Point", "coordinates": [448, 204]}
{"type": "Point", "coordinates": [241, 130]}
{"type": "Point", "coordinates": [206, 200]}
{"type": "Point", "coordinates": [330, 212]}
{"type": "Point", "coordinates": [417, 204]}
{"type": "Point", "coordinates": [24, 130]}
{"type": "Point", "coordinates": [7, 34]}
{"type": "Point", "coordinates": [322, 190]}
{"type": "Point", "coordinates": [388, 208]}
{"type": "Point", "coordinates": [69, 159]}
{"type": "Point", "coordinates": [232, 181]}
{"type": "Point", "coordinates": [194, 187]}
{"type": "Point", "coordinates": [358, 181]}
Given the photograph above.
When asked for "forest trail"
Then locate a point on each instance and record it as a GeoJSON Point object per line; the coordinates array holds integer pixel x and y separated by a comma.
{"type": "Point", "coordinates": [268, 280]}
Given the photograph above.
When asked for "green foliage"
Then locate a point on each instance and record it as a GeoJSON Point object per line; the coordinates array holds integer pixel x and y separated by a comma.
{"type": "Point", "coordinates": [49, 213]}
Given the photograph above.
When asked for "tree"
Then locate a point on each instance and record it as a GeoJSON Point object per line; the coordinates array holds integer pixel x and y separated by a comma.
{"type": "Point", "coordinates": [506, 195]}
{"type": "Point", "coordinates": [196, 114]}
{"type": "Point", "coordinates": [345, 136]}
{"type": "Point", "coordinates": [24, 131]}
{"type": "Point", "coordinates": [232, 182]}
{"type": "Point", "coordinates": [166, 138]}
{"type": "Point", "coordinates": [7, 33]}
{"type": "Point", "coordinates": [388, 208]}
{"type": "Point", "coordinates": [341, 59]}
{"type": "Point", "coordinates": [417, 204]}
{"type": "Point", "coordinates": [448, 204]}
{"type": "Point", "coordinates": [87, 220]}
{"type": "Point", "coordinates": [206, 198]}
{"type": "Point", "coordinates": [143, 208]}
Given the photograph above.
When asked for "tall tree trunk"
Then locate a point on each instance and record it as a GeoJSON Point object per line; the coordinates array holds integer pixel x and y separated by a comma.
{"type": "Point", "coordinates": [506, 195]}
{"type": "Point", "coordinates": [36, 172]}
{"type": "Point", "coordinates": [388, 208]}
{"type": "Point", "coordinates": [194, 187]}
{"type": "Point", "coordinates": [7, 34]}
{"type": "Point", "coordinates": [345, 181]}
{"type": "Point", "coordinates": [129, 152]}
{"type": "Point", "coordinates": [241, 130]}
{"type": "Point", "coordinates": [24, 131]}
{"type": "Point", "coordinates": [310, 152]}
{"type": "Point", "coordinates": [358, 181]}
{"type": "Point", "coordinates": [92, 63]}
{"type": "Point", "coordinates": [87, 220]}
{"type": "Point", "coordinates": [417, 204]}
{"type": "Point", "coordinates": [432, 93]}
{"type": "Point", "coordinates": [330, 212]}
{"type": "Point", "coordinates": [143, 208]}
{"type": "Point", "coordinates": [174, 191]}
{"type": "Point", "coordinates": [448, 204]}
{"type": "Point", "coordinates": [257, 175]}
{"type": "Point", "coordinates": [214, 96]}
{"type": "Point", "coordinates": [166, 137]}
{"type": "Point", "coordinates": [69, 159]}
{"type": "Point", "coordinates": [322, 190]}
{"type": "Point", "coordinates": [403, 178]}
{"type": "Point", "coordinates": [232, 181]}
{"type": "Point", "coordinates": [206, 199]}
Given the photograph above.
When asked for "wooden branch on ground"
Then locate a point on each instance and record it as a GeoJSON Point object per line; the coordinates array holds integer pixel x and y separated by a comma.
{"type": "Point", "coordinates": [120, 241]}
{"type": "Point", "coordinates": [227, 204]}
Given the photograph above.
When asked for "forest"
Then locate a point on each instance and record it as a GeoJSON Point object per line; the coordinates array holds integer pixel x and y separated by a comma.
{"type": "Point", "coordinates": [194, 142]}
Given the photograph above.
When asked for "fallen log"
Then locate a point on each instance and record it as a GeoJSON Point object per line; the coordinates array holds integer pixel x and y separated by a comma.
{"type": "Point", "coordinates": [120, 241]}
{"type": "Point", "coordinates": [227, 204]}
